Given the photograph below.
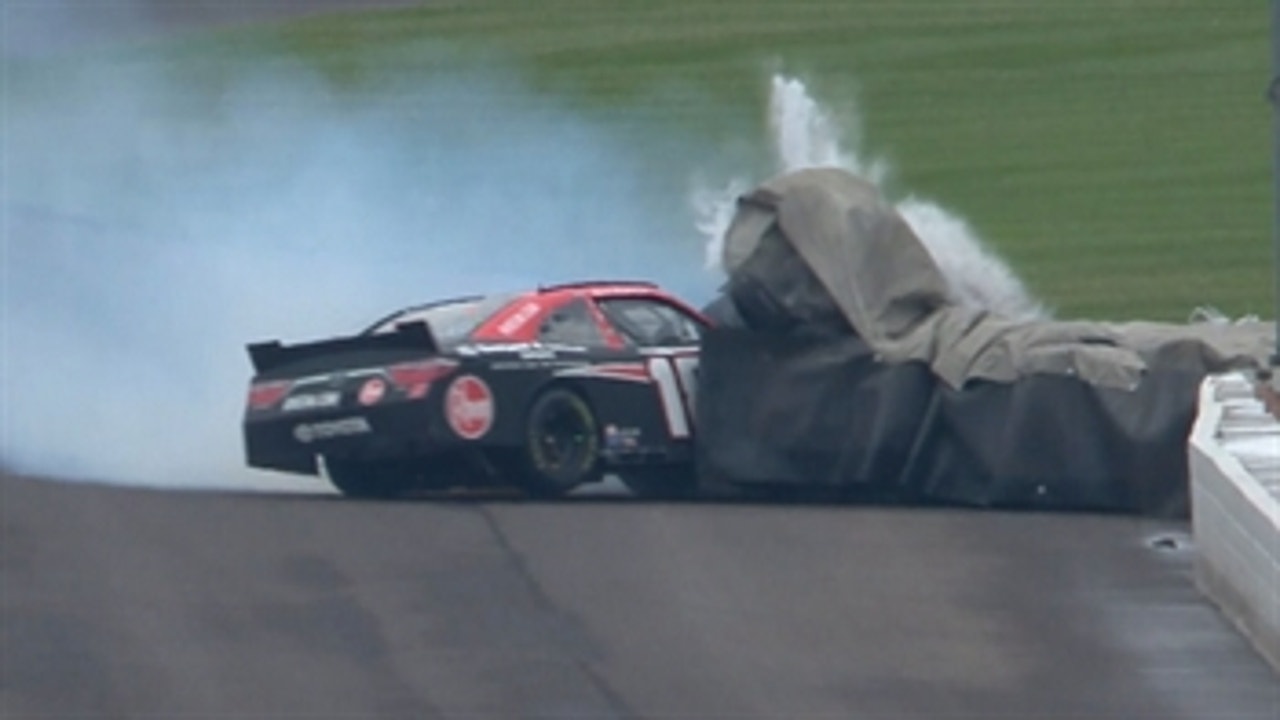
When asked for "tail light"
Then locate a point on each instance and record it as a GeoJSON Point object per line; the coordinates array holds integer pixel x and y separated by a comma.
{"type": "Point", "coordinates": [263, 396]}
{"type": "Point", "coordinates": [414, 379]}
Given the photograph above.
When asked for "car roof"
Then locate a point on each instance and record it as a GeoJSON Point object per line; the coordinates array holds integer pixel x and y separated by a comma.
{"type": "Point", "coordinates": [509, 322]}
{"type": "Point", "coordinates": [594, 288]}
{"type": "Point", "coordinates": [603, 288]}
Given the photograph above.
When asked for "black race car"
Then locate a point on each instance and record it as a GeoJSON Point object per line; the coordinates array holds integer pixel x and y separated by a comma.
{"type": "Point", "coordinates": [547, 389]}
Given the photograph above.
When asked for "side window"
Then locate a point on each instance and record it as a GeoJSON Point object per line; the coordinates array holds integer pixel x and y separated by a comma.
{"type": "Point", "coordinates": [572, 324]}
{"type": "Point", "coordinates": [649, 323]}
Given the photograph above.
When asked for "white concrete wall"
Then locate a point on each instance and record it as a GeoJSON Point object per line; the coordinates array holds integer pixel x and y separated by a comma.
{"type": "Point", "coordinates": [1235, 490]}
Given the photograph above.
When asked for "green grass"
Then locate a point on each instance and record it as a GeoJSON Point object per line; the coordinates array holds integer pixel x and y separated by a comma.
{"type": "Point", "coordinates": [1117, 153]}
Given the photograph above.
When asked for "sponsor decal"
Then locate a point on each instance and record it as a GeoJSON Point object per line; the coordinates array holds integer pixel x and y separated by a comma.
{"type": "Point", "coordinates": [519, 318]}
{"type": "Point", "coordinates": [565, 347]}
{"type": "Point", "coordinates": [469, 407]}
{"type": "Point", "coordinates": [493, 348]}
{"type": "Point", "coordinates": [372, 392]}
{"type": "Point", "coordinates": [625, 371]}
{"type": "Point", "coordinates": [311, 432]}
{"type": "Point", "coordinates": [621, 438]}
{"type": "Point", "coordinates": [538, 353]}
{"type": "Point", "coordinates": [521, 348]}
{"type": "Point", "coordinates": [312, 401]}
{"type": "Point", "coordinates": [552, 364]}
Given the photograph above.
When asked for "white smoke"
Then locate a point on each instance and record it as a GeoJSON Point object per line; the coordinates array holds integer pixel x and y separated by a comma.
{"type": "Point", "coordinates": [806, 135]}
{"type": "Point", "coordinates": [160, 215]}
{"type": "Point", "coordinates": [31, 28]}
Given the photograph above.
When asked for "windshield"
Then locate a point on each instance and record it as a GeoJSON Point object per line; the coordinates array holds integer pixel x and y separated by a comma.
{"type": "Point", "coordinates": [650, 322]}
{"type": "Point", "coordinates": [451, 321]}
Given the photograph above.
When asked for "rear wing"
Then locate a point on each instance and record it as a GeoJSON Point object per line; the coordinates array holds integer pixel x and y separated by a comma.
{"type": "Point", "coordinates": [408, 338]}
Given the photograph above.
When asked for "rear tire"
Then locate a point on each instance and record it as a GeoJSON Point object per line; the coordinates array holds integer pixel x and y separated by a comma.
{"type": "Point", "coordinates": [561, 444]}
{"type": "Point", "coordinates": [370, 480]}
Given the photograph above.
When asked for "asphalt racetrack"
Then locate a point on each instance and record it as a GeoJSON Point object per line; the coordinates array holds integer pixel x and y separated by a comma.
{"type": "Point", "coordinates": [137, 603]}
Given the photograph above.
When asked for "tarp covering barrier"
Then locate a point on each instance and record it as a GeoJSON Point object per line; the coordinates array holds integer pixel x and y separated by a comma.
{"type": "Point", "coordinates": [840, 363]}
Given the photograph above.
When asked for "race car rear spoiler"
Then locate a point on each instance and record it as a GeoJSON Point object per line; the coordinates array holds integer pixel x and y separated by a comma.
{"type": "Point", "coordinates": [409, 337]}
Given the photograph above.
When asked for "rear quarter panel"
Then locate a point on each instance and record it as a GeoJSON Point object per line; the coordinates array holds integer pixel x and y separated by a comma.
{"type": "Point", "coordinates": [626, 400]}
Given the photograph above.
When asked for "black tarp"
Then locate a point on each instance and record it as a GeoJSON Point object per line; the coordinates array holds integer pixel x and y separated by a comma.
{"type": "Point", "coordinates": [943, 404]}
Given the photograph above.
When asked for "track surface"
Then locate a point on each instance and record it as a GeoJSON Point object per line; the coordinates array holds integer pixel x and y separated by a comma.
{"type": "Point", "coordinates": [141, 603]}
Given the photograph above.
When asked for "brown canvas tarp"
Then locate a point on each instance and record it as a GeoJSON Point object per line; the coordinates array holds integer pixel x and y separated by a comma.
{"type": "Point", "coordinates": [841, 334]}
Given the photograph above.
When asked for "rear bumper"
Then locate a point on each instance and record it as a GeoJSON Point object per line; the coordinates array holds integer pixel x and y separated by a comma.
{"type": "Point", "coordinates": [291, 442]}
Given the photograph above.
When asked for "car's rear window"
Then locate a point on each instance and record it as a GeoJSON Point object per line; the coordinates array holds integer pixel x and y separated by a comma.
{"type": "Point", "coordinates": [451, 321]}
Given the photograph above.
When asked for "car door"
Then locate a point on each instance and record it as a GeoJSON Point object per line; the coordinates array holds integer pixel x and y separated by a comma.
{"type": "Point", "coordinates": [667, 337]}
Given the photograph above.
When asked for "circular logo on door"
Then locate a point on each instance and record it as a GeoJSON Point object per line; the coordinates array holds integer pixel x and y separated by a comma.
{"type": "Point", "coordinates": [469, 407]}
{"type": "Point", "coordinates": [372, 391]}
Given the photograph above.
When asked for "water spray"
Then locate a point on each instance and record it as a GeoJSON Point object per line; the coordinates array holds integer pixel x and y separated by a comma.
{"type": "Point", "coordinates": [805, 134]}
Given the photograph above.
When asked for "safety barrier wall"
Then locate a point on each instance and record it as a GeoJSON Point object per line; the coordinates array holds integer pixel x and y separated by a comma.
{"type": "Point", "coordinates": [1235, 488]}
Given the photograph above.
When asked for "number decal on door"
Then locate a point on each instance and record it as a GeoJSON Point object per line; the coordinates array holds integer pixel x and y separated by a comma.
{"type": "Point", "coordinates": [677, 379]}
